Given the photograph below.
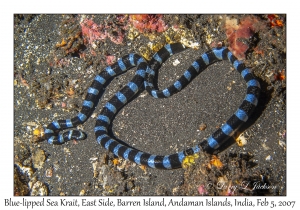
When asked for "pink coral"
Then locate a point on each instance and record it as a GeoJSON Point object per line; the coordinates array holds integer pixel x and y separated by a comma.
{"type": "Point", "coordinates": [202, 190]}
{"type": "Point", "coordinates": [110, 59]}
{"type": "Point", "coordinates": [148, 23]}
{"type": "Point", "coordinates": [237, 32]}
{"type": "Point", "coordinates": [92, 31]}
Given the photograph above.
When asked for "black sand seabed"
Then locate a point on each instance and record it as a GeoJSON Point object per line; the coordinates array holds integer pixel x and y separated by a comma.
{"type": "Point", "coordinates": [159, 126]}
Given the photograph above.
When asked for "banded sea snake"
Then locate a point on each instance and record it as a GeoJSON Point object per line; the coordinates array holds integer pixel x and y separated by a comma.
{"type": "Point", "coordinates": [144, 75]}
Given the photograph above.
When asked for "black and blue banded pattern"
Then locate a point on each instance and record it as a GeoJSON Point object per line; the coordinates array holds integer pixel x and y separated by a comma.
{"type": "Point", "coordinates": [93, 96]}
{"type": "Point", "coordinates": [242, 114]}
{"type": "Point", "coordinates": [145, 74]}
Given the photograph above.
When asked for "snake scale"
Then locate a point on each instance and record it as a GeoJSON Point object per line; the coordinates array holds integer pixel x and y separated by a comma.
{"type": "Point", "coordinates": [145, 75]}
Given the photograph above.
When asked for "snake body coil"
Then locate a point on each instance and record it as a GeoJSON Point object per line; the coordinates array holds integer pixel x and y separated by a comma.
{"type": "Point", "coordinates": [145, 74]}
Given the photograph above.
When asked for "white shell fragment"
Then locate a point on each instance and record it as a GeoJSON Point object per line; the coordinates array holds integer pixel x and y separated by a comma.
{"type": "Point", "coordinates": [176, 62]}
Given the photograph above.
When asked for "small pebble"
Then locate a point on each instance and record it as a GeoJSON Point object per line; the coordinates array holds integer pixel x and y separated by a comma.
{"type": "Point", "coordinates": [176, 62]}
{"type": "Point", "coordinates": [202, 126]}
